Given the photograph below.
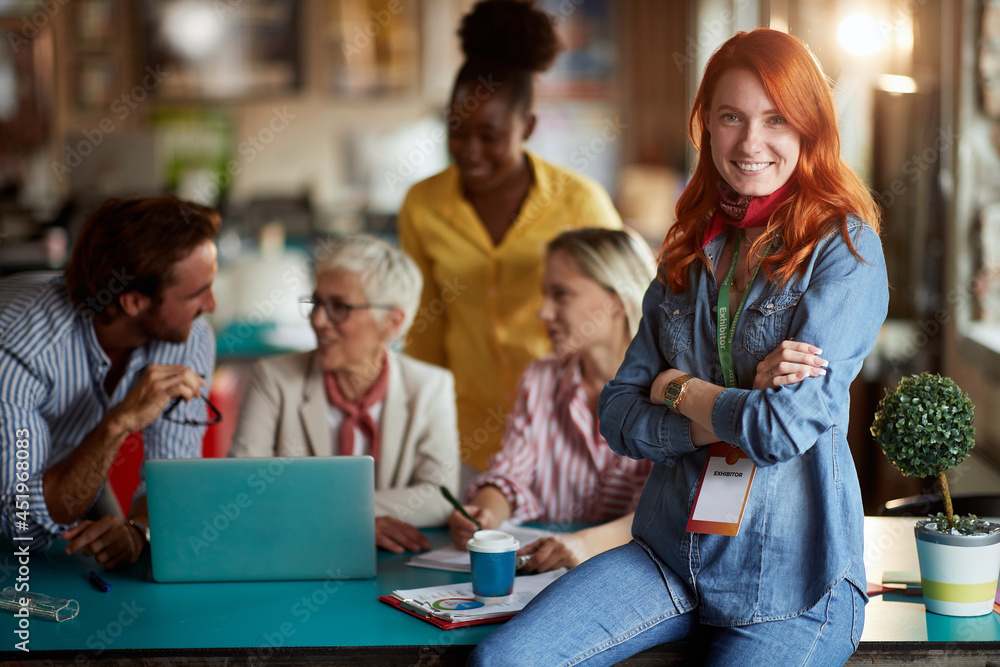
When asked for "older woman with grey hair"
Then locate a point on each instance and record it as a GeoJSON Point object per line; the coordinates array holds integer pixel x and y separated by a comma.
{"type": "Point", "coordinates": [353, 395]}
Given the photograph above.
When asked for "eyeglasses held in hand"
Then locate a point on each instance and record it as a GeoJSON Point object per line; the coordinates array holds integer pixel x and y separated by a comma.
{"type": "Point", "coordinates": [214, 415]}
{"type": "Point", "coordinates": [337, 311]}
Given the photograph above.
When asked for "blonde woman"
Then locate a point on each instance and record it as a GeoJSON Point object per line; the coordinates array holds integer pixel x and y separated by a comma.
{"type": "Point", "coordinates": [554, 465]}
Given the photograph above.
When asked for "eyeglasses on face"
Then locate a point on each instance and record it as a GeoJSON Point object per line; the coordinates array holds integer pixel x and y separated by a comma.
{"type": "Point", "coordinates": [214, 416]}
{"type": "Point", "coordinates": [337, 311]}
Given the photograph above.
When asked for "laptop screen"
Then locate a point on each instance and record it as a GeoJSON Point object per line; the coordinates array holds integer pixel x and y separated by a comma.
{"type": "Point", "coordinates": [254, 519]}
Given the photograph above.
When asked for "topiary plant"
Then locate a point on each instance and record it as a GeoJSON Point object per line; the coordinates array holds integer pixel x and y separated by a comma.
{"type": "Point", "coordinates": [924, 427]}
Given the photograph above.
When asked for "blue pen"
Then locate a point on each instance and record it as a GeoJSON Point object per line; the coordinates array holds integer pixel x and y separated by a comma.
{"type": "Point", "coordinates": [98, 583]}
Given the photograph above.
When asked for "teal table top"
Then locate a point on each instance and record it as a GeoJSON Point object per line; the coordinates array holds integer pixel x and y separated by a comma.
{"type": "Point", "coordinates": [241, 340]}
{"type": "Point", "coordinates": [138, 613]}
{"type": "Point", "coordinates": [258, 618]}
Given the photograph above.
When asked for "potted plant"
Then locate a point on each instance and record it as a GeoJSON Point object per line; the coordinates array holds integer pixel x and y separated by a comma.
{"type": "Point", "coordinates": [924, 427]}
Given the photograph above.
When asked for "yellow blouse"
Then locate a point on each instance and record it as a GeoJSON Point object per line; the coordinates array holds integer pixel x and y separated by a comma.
{"type": "Point", "coordinates": [478, 311]}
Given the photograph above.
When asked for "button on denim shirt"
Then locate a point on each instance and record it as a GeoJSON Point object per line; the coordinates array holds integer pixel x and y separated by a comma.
{"type": "Point", "coordinates": [803, 526]}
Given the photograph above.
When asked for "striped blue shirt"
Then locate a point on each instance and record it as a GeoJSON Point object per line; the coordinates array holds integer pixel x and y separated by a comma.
{"type": "Point", "coordinates": [52, 372]}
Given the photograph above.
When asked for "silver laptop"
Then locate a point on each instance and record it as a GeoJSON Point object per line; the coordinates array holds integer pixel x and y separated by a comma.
{"type": "Point", "coordinates": [255, 519]}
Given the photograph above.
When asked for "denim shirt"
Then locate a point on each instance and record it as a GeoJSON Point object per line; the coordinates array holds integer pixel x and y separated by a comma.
{"type": "Point", "coordinates": [803, 525]}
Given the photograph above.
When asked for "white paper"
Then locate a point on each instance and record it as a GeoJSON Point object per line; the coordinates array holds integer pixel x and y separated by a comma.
{"type": "Point", "coordinates": [525, 588]}
{"type": "Point", "coordinates": [457, 560]}
{"type": "Point", "coordinates": [723, 490]}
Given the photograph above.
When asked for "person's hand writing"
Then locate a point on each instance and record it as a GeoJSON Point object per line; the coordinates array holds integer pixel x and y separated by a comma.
{"type": "Point", "coordinates": [153, 392]}
{"type": "Point", "coordinates": [108, 540]}
{"type": "Point", "coordinates": [789, 363]}
{"type": "Point", "coordinates": [398, 536]}
{"type": "Point", "coordinates": [462, 530]}
{"type": "Point", "coordinates": [549, 553]}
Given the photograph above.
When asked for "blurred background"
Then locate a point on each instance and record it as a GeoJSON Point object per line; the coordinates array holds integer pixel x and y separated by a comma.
{"type": "Point", "coordinates": [305, 120]}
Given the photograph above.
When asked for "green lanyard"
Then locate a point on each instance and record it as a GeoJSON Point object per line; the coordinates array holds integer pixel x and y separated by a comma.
{"type": "Point", "coordinates": [727, 327]}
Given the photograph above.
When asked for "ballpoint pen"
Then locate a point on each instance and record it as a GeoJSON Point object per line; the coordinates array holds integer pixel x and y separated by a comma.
{"type": "Point", "coordinates": [454, 501]}
{"type": "Point", "coordinates": [98, 583]}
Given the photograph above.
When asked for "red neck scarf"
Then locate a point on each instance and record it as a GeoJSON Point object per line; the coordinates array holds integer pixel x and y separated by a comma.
{"type": "Point", "coordinates": [356, 413]}
{"type": "Point", "coordinates": [736, 210]}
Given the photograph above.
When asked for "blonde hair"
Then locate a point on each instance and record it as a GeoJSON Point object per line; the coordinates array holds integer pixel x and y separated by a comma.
{"type": "Point", "coordinates": [620, 261]}
{"type": "Point", "coordinates": [387, 274]}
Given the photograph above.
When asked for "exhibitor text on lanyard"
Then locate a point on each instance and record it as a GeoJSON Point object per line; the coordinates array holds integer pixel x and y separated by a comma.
{"type": "Point", "coordinates": [728, 474]}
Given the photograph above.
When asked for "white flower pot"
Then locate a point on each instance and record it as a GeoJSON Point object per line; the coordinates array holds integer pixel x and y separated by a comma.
{"type": "Point", "coordinates": [958, 572]}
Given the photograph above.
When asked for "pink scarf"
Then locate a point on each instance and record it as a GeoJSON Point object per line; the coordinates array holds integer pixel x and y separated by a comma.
{"type": "Point", "coordinates": [356, 413]}
{"type": "Point", "coordinates": [736, 210]}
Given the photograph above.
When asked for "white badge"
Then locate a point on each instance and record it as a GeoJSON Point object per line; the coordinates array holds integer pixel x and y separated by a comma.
{"type": "Point", "coordinates": [722, 492]}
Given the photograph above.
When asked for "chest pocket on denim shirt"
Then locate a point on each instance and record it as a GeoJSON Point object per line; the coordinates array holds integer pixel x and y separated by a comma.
{"type": "Point", "coordinates": [767, 322]}
{"type": "Point", "coordinates": [676, 325]}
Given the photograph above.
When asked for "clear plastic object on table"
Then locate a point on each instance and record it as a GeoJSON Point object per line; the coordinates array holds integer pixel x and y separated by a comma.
{"type": "Point", "coordinates": [39, 605]}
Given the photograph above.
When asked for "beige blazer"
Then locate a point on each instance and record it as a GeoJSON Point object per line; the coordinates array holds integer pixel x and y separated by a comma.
{"type": "Point", "coordinates": [285, 412]}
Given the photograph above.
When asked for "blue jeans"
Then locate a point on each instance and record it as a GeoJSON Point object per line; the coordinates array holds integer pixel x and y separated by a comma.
{"type": "Point", "coordinates": [616, 605]}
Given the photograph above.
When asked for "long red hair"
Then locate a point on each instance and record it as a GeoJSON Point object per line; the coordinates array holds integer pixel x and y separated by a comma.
{"type": "Point", "coordinates": [826, 190]}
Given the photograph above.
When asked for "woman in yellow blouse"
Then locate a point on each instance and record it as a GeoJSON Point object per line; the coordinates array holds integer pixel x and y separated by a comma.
{"type": "Point", "coordinates": [478, 229]}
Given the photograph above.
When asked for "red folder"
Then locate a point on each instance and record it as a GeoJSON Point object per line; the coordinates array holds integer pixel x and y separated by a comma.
{"type": "Point", "coordinates": [439, 622]}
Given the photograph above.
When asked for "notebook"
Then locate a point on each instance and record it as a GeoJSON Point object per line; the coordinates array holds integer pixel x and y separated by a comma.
{"type": "Point", "coordinates": [255, 519]}
{"type": "Point", "coordinates": [454, 606]}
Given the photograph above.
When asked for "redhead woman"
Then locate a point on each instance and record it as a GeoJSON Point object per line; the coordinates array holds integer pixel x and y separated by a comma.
{"type": "Point", "coordinates": [771, 290]}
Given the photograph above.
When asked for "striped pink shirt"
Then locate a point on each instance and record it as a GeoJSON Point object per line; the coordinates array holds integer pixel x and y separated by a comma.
{"type": "Point", "coordinates": [555, 465]}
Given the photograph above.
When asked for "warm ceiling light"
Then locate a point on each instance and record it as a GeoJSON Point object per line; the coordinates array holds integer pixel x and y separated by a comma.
{"type": "Point", "coordinates": [860, 35]}
{"type": "Point", "coordinates": [192, 28]}
{"type": "Point", "coordinates": [893, 83]}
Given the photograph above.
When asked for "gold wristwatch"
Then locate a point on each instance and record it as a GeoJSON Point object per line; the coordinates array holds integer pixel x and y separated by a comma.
{"type": "Point", "coordinates": [674, 393]}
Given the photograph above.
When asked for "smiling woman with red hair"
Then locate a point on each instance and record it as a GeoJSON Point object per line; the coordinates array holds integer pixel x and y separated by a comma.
{"type": "Point", "coordinates": [796, 85]}
{"type": "Point", "coordinates": [748, 538]}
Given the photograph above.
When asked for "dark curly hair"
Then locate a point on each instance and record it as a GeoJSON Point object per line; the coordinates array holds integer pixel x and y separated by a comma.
{"type": "Point", "coordinates": [506, 42]}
